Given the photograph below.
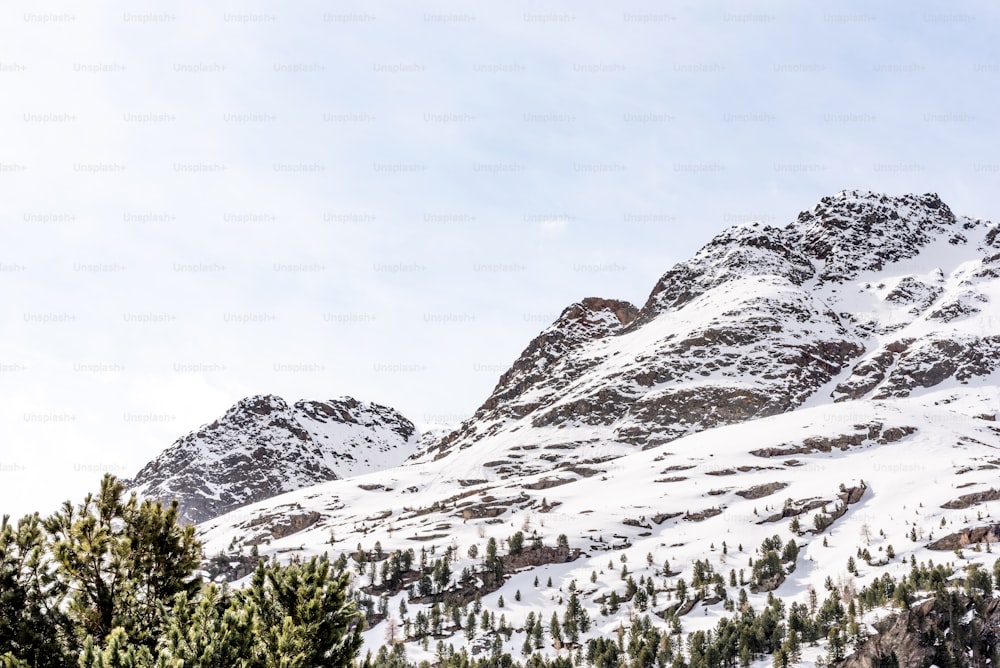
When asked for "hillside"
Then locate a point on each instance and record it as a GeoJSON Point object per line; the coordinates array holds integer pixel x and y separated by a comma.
{"type": "Point", "coordinates": [832, 382]}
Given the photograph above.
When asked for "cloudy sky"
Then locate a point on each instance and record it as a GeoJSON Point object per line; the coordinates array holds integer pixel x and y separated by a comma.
{"type": "Point", "coordinates": [389, 199]}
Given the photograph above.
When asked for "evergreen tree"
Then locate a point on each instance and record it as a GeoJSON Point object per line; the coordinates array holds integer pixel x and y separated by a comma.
{"type": "Point", "coordinates": [122, 563]}
{"type": "Point", "coordinates": [470, 626]}
{"type": "Point", "coordinates": [536, 633]}
{"type": "Point", "coordinates": [33, 628]}
{"type": "Point", "coordinates": [835, 644]}
{"type": "Point", "coordinates": [301, 611]}
{"type": "Point", "coordinates": [554, 629]}
{"type": "Point", "coordinates": [515, 543]}
{"type": "Point", "coordinates": [119, 652]}
{"type": "Point", "coordinates": [7, 660]}
{"type": "Point", "coordinates": [214, 631]}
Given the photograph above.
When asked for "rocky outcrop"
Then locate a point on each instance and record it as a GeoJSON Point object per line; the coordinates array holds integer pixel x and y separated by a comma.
{"type": "Point", "coordinates": [934, 632]}
{"type": "Point", "coordinates": [871, 433]}
{"type": "Point", "coordinates": [262, 447]}
{"type": "Point", "coordinates": [931, 361]}
{"type": "Point", "coordinates": [859, 230]}
{"type": "Point", "coordinates": [847, 300]}
{"type": "Point", "coordinates": [966, 537]}
{"type": "Point", "coordinates": [543, 369]}
{"type": "Point", "coordinates": [760, 491]}
{"type": "Point", "coordinates": [967, 500]}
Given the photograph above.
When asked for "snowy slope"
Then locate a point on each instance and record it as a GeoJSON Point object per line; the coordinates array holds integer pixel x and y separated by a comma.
{"type": "Point", "coordinates": [661, 502]}
{"type": "Point", "coordinates": [845, 362]}
{"type": "Point", "coordinates": [262, 447]}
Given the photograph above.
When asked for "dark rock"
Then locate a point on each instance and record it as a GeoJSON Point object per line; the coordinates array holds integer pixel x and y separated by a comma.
{"type": "Point", "coordinates": [934, 632]}
{"type": "Point", "coordinates": [967, 500]}
{"type": "Point", "coordinates": [262, 447]}
{"type": "Point", "coordinates": [981, 534]}
{"type": "Point", "coordinates": [760, 491]}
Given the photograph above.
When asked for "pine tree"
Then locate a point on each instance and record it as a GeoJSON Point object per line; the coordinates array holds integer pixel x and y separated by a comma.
{"type": "Point", "coordinates": [8, 660]}
{"type": "Point", "coordinates": [119, 652]}
{"type": "Point", "coordinates": [793, 647]}
{"type": "Point", "coordinates": [302, 610]}
{"type": "Point", "coordinates": [122, 562]}
{"type": "Point", "coordinates": [536, 633]}
{"type": "Point", "coordinates": [681, 589]}
{"type": "Point", "coordinates": [515, 543]}
{"type": "Point", "coordinates": [554, 630]}
{"type": "Point", "coordinates": [214, 631]}
{"type": "Point", "coordinates": [33, 628]}
{"type": "Point", "coordinates": [835, 644]}
{"type": "Point", "coordinates": [470, 626]}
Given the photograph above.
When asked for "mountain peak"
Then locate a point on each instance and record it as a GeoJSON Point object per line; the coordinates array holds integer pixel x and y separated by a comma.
{"type": "Point", "coordinates": [262, 446]}
{"type": "Point", "coordinates": [860, 230]}
{"type": "Point", "coordinates": [594, 317]}
{"type": "Point", "coordinates": [259, 404]}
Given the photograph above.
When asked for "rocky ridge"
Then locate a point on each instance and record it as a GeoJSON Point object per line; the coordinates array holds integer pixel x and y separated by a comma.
{"type": "Point", "coordinates": [262, 447]}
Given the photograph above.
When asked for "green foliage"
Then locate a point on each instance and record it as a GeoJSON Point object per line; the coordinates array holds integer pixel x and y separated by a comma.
{"type": "Point", "coordinates": [213, 631]}
{"type": "Point", "coordinates": [112, 583]}
{"type": "Point", "coordinates": [515, 543]}
{"type": "Point", "coordinates": [121, 562]}
{"type": "Point", "coordinates": [766, 567]}
{"type": "Point", "coordinates": [31, 621]}
{"type": "Point", "coordinates": [303, 611]}
{"type": "Point", "coordinates": [977, 580]}
{"type": "Point", "coordinates": [8, 660]}
{"type": "Point", "coordinates": [835, 644]}
{"type": "Point", "coordinates": [821, 521]}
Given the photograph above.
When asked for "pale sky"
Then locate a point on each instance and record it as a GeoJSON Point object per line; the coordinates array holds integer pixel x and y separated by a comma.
{"type": "Point", "coordinates": [388, 200]}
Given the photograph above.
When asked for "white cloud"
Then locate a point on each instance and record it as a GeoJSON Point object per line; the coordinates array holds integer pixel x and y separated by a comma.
{"type": "Point", "coordinates": [554, 227]}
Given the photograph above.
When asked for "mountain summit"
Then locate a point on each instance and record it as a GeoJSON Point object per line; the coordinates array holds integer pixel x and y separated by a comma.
{"type": "Point", "coordinates": [262, 447]}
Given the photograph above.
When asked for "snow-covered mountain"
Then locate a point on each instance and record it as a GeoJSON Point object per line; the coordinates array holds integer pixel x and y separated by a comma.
{"type": "Point", "coordinates": [754, 325]}
{"type": "Point", "coordinates": [263, 447]}
{"type": "Point", "coordinates": [833, 382]}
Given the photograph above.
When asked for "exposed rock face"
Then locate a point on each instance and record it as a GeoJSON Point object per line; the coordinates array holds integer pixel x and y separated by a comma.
{"type": "Point", "coordinates": [760, 491]}
{"type": "Point", "coordinates": [967, 500]}
{"type": "Point", "coordinates": [933, 632]}
{"type": "Point", "coordinates": [857, 231]}
{"type": "Point", "coordinates": [966, 537]}
{"type": "Point", "coordinates": [543, 362]}
{"type": "Point", "coordinates": [262, 447]}
{"type": "Point", "coordinates": [863, 297]}
{"type": "Point", "coordinates": [865, 433]}
{"type": "Point", "coordinates": [748, 250]}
